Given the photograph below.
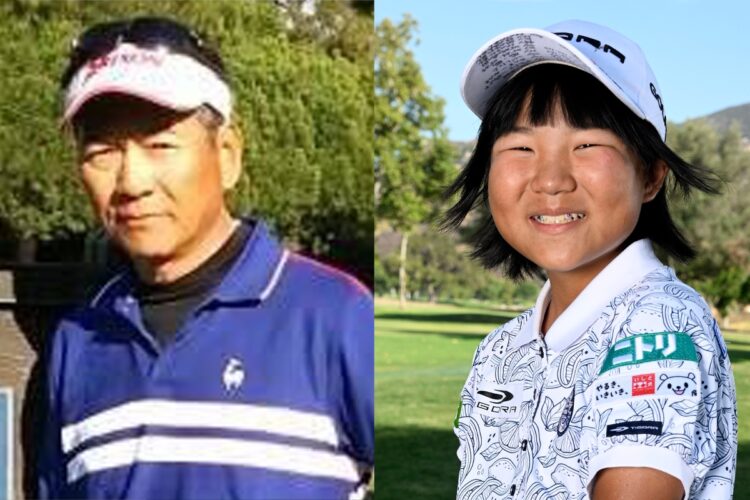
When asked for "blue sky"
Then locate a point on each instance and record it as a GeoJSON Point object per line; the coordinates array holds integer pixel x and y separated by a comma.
{"type": "Point", "coordinates": [698, 49]}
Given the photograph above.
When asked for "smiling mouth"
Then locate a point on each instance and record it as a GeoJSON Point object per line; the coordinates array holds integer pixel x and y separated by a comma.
{"type": "Point", "coordinates": [559, 219]}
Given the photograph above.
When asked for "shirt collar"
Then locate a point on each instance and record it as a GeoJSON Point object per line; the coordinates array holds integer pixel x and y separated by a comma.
{"type": "Point", "coordinates": [257, 270]}
{"type": "Point", "coordinates": [253, 276]}
{"type": "Point", "coordinates": [632, 264]}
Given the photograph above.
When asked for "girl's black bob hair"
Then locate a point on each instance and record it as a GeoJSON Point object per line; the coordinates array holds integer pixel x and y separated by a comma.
{"type": "Point", "coordinates": [585, 103]}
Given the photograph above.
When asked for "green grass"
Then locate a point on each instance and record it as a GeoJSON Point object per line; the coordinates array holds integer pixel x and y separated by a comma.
{"type": "Point", "coordinates": [422, 358]}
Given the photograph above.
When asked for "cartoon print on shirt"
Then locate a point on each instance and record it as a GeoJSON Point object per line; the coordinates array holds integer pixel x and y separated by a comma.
{"type": "Point", "coordinates": [679, 385]}
{"type": "Point", "coordinates": [571, 478]}
{"type": "Point", "coordinates": [567, 414]}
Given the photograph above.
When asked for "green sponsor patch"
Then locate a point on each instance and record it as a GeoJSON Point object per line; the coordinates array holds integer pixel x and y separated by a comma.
{"type": "Point", "coordinates": [647, 347]}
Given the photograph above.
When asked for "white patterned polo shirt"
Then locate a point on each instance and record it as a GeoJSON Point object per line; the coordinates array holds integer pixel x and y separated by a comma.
{"type": "Point", "coordinates": [633, 373]}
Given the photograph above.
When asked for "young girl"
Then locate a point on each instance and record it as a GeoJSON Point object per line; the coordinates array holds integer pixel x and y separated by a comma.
{"type": "Point", "coordinates": [616, 384]}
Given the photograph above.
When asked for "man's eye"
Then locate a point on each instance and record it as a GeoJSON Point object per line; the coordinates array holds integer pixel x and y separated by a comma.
{"type": "Point", "coordinates": [98, 152]}
{"type": "Point", "coordinates": [521, 148]}
{"type": "Point", "coordinates": [586, 146]}
{"type": "Point", "coordinates": [161, 145]}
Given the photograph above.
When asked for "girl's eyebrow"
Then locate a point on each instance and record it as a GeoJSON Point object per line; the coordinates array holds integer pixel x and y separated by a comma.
{"type": "Point", "coordinates": [518, 130]}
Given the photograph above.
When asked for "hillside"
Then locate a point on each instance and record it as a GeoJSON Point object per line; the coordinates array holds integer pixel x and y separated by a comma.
{"type": "Point", "coordinates": [724, 118]}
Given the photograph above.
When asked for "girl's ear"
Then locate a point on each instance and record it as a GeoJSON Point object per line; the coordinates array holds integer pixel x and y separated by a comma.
{"type": "Point", "coordinates": [657, 176]}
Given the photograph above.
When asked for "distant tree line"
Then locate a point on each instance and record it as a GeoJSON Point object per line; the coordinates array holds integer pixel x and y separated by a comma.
{"type": "Point", "coordinates": [303, 84]}
{"type": "Point", "coordinates": [439, 270]}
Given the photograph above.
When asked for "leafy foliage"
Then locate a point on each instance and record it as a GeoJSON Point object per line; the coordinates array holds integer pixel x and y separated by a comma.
{"type": "Point", "coordinates": [717, 225]}
{"type": "Point", "coordinates": [412, 153]}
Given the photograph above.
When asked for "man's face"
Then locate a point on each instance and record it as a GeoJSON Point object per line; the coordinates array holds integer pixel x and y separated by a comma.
{"type": "Point", "coordinates": [154, 176]}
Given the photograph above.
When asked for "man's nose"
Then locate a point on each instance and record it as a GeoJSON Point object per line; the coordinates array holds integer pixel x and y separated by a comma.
{"type": "Point", "coordinates": [135, 177]}
{"type": "Point", "coordinates": [553, 174]}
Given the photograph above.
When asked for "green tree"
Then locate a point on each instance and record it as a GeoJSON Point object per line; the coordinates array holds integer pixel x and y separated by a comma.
{"type": "Point", "coordinates": [717, 225]}
{"type": "Point", "coordinates": [412, 154]}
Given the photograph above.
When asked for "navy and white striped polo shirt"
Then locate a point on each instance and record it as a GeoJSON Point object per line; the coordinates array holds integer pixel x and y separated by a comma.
{"type": "Point", "coordinates": [266, 391]}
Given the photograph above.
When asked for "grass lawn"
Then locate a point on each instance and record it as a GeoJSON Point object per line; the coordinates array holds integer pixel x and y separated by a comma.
{"type": "Point", "coordinates": [422, 358]}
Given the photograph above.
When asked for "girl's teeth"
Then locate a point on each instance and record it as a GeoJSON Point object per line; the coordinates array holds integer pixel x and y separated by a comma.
{"type": "Point", "coordinates": [558, 219]}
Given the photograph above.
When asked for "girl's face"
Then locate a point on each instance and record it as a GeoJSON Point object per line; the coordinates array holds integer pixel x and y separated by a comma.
{"type": "Point", "coordinates": [566, 198]}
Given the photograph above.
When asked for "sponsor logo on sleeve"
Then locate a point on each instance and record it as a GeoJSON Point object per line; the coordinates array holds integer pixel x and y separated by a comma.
{"type": "Point", "coordinates": [642, 385]}
{"type": "Point", "coordinates": [648, 347]}
{"type": "Point", "coordinates": [669, 382]}
{"type": "Point", "coordinates": [499, 401]}
{"type": "Point", "coordinates": [640, 427]}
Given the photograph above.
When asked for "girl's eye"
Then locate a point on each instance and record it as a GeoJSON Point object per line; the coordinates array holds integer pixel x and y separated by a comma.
{"type": "Point", "coordinates": [521, 148]}
{"type": "Point", "coordinates": [586, 146]}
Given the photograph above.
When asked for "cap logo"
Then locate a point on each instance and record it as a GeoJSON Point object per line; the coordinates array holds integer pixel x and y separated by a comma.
{"type": "Point", "coordinates": [658, 100]}
{"type": "Point", "coordinates": [597, 44]}
{"type": "Point", "coordinates": [140, 58]}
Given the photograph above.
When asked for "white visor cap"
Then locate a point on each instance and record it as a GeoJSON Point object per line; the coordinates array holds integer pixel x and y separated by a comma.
{"type": "Point", "coordinates": [168, 79]}
{"type": "Point", "coordinates": [611, 58]}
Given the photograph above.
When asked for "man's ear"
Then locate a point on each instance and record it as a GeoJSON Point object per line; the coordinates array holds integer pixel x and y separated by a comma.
{"type": "Point", "coordinates": [654, 184]}
{"type": "Point", "coordinates": [230, 155]}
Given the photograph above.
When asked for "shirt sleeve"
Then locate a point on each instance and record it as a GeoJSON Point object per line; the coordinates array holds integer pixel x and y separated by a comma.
{"type": "Point", "coordinates": [355, 377]}
{"type": "Point", "coordinates": [50, 467]}
{"type": "Point", "coordinates": [466, 426]}
{"type": "Point", "coordinates": [468, 434]}
{"type": "Point", "coordinates": [657, 401]}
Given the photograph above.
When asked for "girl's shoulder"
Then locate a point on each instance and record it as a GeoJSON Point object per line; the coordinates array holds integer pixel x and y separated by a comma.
{"type": "Point", "coordinates": [661, 303]}
{"type": "Point", "coordinates": [661, 297]}
{"type": "Point", "coordinates": [498, 339]}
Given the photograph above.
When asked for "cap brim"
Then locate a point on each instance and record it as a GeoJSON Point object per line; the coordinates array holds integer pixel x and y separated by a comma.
{"type": "Point", "coordinates": [503, 57]}
{"type": "Point", "coordinates": [158, 98]}
{"type": "Point", "coordinates": [174, 81]}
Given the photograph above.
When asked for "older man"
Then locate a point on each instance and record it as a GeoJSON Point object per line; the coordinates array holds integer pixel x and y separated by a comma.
{"type": "Point", "coordinates": [218, 364]}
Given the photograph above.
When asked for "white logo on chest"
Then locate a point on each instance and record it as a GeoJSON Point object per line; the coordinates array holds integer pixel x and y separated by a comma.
{"type": "Point", "coordinates": [234, 375]}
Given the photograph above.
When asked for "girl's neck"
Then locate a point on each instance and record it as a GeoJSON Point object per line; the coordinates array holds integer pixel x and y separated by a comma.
{"type": "Point", "coordinates": [566, 286]}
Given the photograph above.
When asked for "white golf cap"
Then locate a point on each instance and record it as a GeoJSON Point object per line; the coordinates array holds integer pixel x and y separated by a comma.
{"type": "Point", "coordinates": [168, 79]}
{"type": "Point", "coordinates": [611, 58]}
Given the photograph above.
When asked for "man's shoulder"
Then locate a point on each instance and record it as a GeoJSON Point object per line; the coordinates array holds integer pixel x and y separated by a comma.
{"type": "Point", "coordinates": [109, 288]}
{"type": "Point", "coordinates": [94, 309]}
{"type": "Point", "coordinates": [316, 280]}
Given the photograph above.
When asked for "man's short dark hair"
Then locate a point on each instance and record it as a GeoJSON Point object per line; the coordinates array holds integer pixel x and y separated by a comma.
{"type": "Point", "coordinates": [209, 118]}
{"type": "Point", "coordinates": [585, 103]}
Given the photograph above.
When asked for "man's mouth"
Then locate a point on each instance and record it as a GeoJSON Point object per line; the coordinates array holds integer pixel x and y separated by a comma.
{"type": "Point", "coordinates": [559, 219]}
